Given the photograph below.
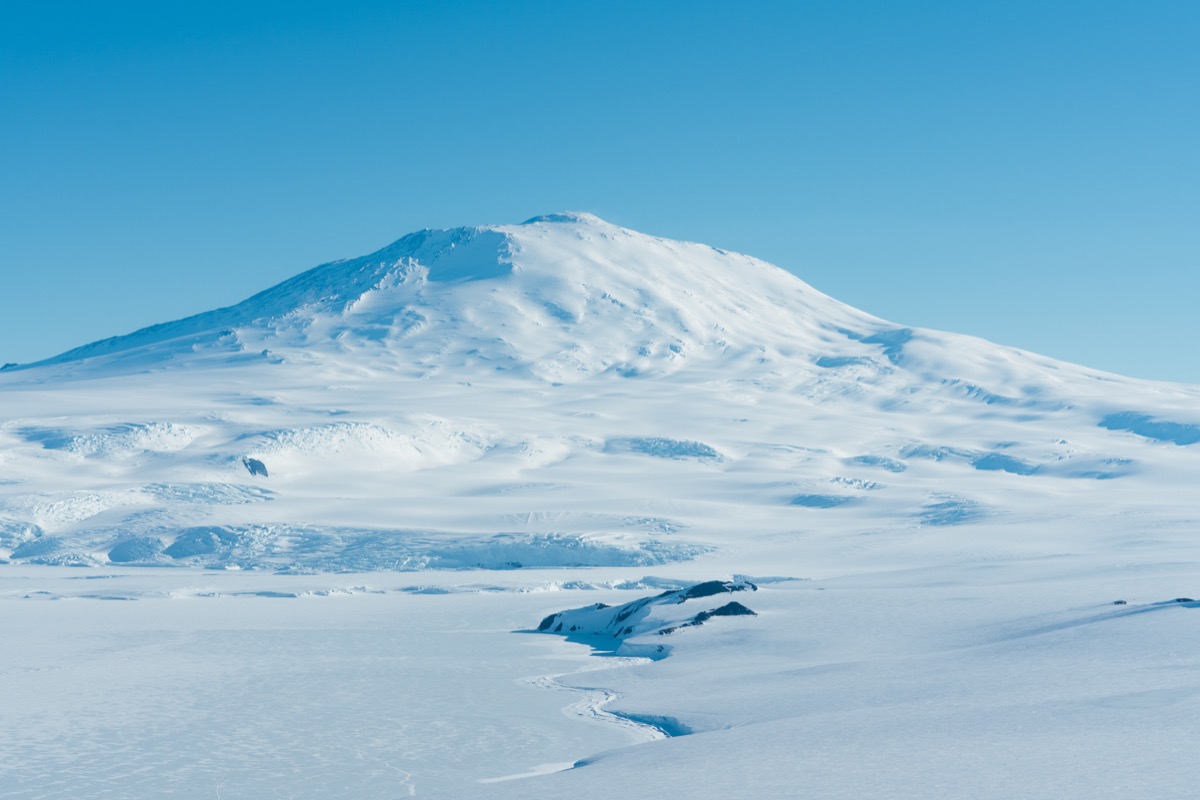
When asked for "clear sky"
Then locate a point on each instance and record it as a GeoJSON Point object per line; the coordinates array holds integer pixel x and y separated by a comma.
{"type": "Point", "coordinates": [1028, 172]}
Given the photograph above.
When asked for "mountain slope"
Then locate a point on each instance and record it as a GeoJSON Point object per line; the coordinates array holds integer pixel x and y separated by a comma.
{"type": "Point", "coordinates": [566, 392]}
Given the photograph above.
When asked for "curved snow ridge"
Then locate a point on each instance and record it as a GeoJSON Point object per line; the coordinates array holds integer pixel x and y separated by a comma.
{"type": "Point", "coordinates": [116, 441]}
{"type": "Point", "coordinates": [432, 441]}
{"type": "Point", "coordinates": [52, 511]}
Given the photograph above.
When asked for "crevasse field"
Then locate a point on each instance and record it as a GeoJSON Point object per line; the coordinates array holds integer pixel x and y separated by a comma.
{"type": "Point", "coordinates": [301, 547]}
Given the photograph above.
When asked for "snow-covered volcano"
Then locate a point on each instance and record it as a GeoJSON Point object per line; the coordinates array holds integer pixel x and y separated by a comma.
{"type": "Point", "coordinates": [564, 392]}
{"type": "Point", "coordinates": [960, 569]}
{"type": "Point", "coordinates": [558, 298]}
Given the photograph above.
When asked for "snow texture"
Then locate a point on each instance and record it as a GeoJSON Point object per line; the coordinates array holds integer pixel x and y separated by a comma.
{"type": "Point", "coordinates": [325, 509]}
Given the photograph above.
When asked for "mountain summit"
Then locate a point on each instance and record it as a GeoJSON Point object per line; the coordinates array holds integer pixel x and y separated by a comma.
{"type": "Point", "coordinates": [558, 296]}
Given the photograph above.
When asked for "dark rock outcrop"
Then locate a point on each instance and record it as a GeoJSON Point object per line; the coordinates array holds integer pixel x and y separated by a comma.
{"type": "Point", "coordinates": [255, 467]}
{"type": "Point", "coordinates": [599, 624]}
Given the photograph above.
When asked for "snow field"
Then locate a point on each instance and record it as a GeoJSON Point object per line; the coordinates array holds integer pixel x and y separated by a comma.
{"type": "Point", "coordinates": [365, 479]}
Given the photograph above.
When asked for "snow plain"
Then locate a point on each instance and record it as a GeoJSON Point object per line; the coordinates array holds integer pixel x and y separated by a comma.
{"type": "Point", "coordinates": [470, 430]}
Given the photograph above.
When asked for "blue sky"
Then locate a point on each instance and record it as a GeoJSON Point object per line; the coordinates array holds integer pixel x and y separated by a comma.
{"type": "Point", "coordinates": [1023, 171]}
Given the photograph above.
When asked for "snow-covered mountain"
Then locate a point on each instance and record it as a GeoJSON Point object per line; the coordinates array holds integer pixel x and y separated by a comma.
{"type": "Point", "coordinates": [558, 298]}
{"type": "Point", "coordinates": [822, 554]}
{"type": "Point", "coordinates": [555, 393]}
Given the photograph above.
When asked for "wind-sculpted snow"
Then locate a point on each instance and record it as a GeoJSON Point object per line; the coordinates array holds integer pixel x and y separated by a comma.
{"type": "Point", "coordinates": [505, 552]}
{"type": "Point", "coordinates": [140, 549]}
{"type": "Point", "coordinates": [329, 439]}
{"type": "Point", "coordinates": [1158, 430]}
{"type": "Point", "coordinates": [55, 510]}
{"type": "Point", "coordinates": [205, 541]}
{"type": "Point", "coordinates": [944, 510]}
{"type": "Point", "coordinates": [883, 462]}
{"type": "Point", "coordinates": [293, 547]}
{"type": "Point", "coordinates": [856, 483]}
{"type": "Point", "coordinates": [1028, 397]}
{"type": "Point", "coordinates": [114, 442]}
{"type": "Point", "coordinates": [1059, 464]}
{"type": "Point", "coordinates": [821, 500]}
{"type": "Point", "coordinates": [835, 362]}
{"type": "Point", "coordinates": [1001, 462]}
{"type": "Point", "coordinates": [224, 494]}
{"type": "Point", "coordinates": [14, 533]}
{"type": "Point", "coordinates": [50, 550]}
{"type": "Point", "coordinates": [429, 442]}
{"type": "Point", "coordinates": [892, 341]}
{"type": "Point", "coordinates": [660, 447]}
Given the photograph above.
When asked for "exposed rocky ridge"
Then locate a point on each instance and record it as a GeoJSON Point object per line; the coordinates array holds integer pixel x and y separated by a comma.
{"type": "Point", "coordinates": [609, 627]}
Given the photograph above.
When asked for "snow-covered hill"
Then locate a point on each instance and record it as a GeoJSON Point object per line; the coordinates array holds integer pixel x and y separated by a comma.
{"type": "Point", "coordinates": [562, 392]}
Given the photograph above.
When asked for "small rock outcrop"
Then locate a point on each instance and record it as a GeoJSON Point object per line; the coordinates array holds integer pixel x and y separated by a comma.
{"type": "Point", "coordinates": [255, 467]}
{"type": "Point", "coordinates": [605, 626]}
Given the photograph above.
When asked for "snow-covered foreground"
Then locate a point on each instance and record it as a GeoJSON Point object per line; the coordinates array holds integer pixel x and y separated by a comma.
{"type": "Point", "coordinates": [226, 685]}
{"type": "Point", "coordinates": [283, 548]}
{"type": "Point", "coordinates": [996, 680]}
{"type": "Point", "coordinates": [992, 681]}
